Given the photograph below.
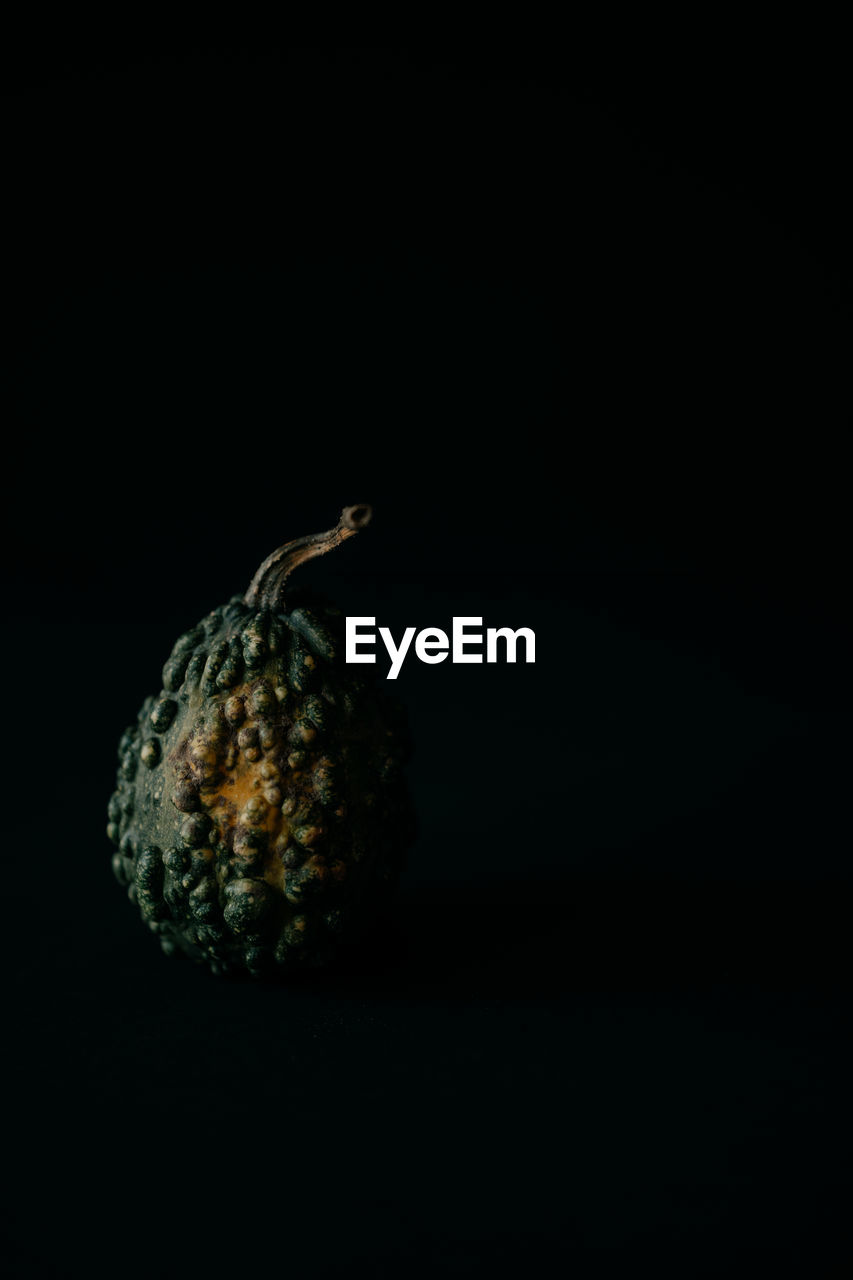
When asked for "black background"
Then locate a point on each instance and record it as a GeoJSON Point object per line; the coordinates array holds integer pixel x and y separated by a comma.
{"type": "Point", "coordinates": [578, 335]}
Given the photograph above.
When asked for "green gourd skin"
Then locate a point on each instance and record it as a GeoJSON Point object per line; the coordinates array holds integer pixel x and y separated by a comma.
{"type": "Point", "coordinates": [260, 814]}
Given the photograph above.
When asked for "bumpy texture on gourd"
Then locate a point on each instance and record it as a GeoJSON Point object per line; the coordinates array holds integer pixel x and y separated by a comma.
{"type": "Point", "coordinates": [260, 812]}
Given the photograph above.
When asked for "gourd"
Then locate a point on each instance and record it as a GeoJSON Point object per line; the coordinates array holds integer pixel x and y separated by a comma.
{"type": "Point", "coordinates": [260, 814]}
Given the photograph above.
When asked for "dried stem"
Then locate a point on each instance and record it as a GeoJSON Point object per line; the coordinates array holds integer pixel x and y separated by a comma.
{"type": "Point", "coordinates": [266, 590]}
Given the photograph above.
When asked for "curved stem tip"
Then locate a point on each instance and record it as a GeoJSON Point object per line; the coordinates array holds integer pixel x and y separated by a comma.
{"type": "Point", "coordinates": [266, 590]}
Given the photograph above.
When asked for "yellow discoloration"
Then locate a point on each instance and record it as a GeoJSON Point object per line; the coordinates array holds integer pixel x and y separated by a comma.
{"type": "Point", "coordinates": [237, 788]}
{"type": "Point", "coordinates": [250, 798]}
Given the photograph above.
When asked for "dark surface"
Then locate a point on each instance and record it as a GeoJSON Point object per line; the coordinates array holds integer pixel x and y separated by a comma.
{"type": "Point", "coordinates": [580, 341]}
